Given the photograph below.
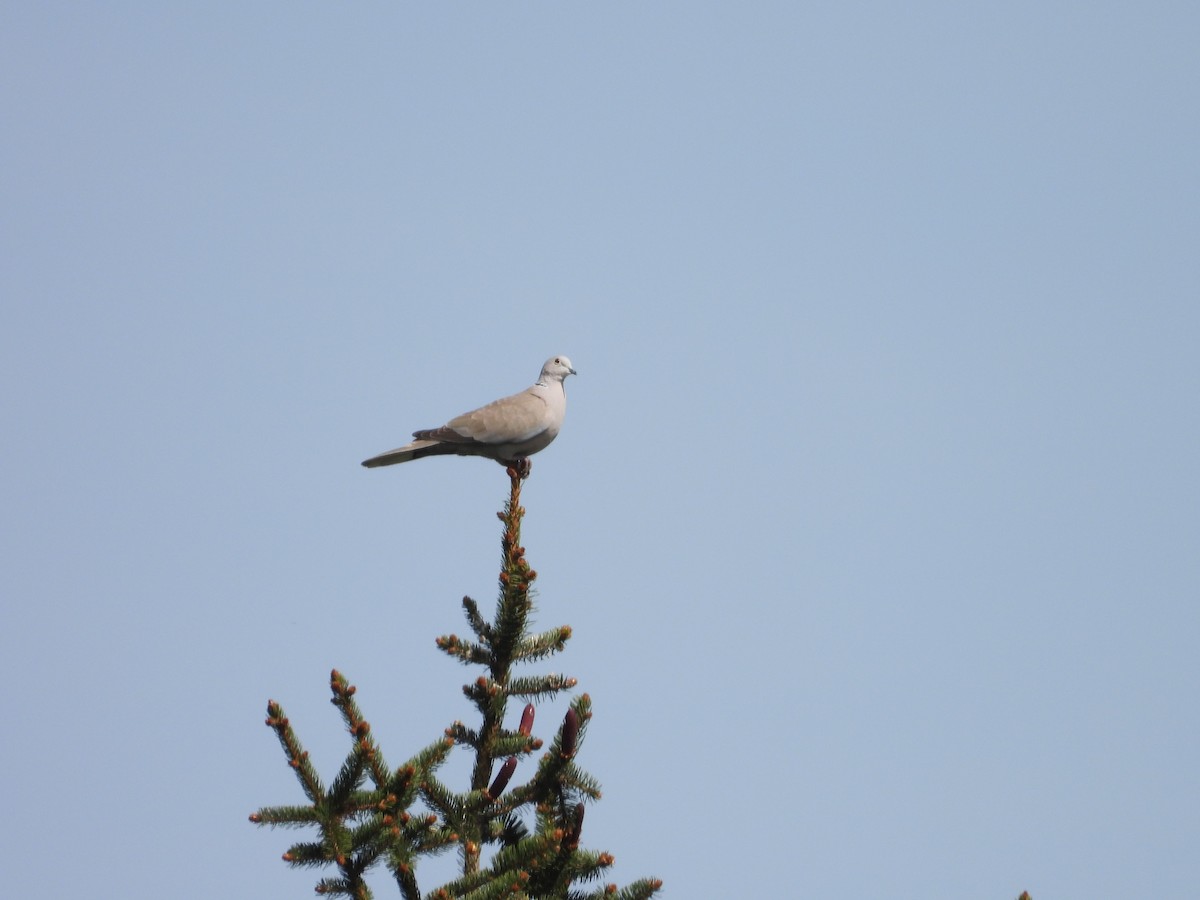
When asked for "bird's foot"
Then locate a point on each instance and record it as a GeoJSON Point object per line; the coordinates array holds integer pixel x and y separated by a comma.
{"type": "Point", "coordinates": [519, 468]}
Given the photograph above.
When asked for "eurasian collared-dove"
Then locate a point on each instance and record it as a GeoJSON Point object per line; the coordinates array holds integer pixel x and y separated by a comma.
{"type": "Point", "coordinates": [505, 430]}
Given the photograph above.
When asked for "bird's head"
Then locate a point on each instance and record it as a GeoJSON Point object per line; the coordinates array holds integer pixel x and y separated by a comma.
{"type": "Point", "coordinates": [557, 368]}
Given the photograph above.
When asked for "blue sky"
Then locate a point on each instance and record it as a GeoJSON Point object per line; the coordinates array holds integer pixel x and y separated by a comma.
{"type": "Point", "coordinates": [875, 511]}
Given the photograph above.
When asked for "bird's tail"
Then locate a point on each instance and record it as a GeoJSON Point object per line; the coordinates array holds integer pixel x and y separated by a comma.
{"type": "Point", "coordinates": [415, 450]}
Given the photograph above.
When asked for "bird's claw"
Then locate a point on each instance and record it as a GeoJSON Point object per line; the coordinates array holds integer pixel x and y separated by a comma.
{"type": "Point", "coordinates": [519, 468]}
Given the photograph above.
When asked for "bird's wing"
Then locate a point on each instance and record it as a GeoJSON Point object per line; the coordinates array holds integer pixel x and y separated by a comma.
{"type": "Point", "coordinates": [510, 420]}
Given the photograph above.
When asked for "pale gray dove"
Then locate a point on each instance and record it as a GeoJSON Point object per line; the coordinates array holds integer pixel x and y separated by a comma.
{"type": "Point", "coordinates": [505, 430]}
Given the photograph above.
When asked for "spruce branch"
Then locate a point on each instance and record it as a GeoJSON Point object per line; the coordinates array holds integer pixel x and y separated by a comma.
{"type": "Point", "coordinates": [297, 756]}
{"type": "Point", "coordinates": [475, 619]}
{"type": "Point", "coordinates": [540, 686]}
{"type": "Point", "coordinates": [518, 833]}
{"type": "Point", "coordinates": [467, 652]}
{"type": "Point", "coordinates": [358, 827]}
{"type": "Point", "coordinates": [540, 646]}
{"type": "Point", "coordinates": [641, 889]}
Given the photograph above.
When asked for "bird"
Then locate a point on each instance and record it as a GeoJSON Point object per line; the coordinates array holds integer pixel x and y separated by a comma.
{"type": "Point", "coordinates": [507, 430]}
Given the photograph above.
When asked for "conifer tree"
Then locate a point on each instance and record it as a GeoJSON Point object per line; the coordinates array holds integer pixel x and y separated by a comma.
{"type": "Point", "coordinates": [517, 838]}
